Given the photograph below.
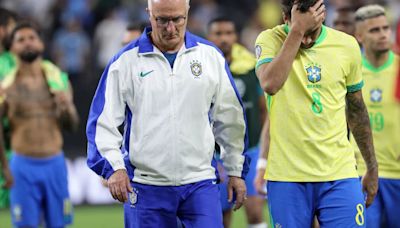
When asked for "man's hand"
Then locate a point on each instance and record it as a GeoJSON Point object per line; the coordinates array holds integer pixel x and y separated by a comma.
{"type": "Point", "coordinates": [310, 20]}
{"type": "Point", "coordinates": [259, 182]}
{"type": "Point", "coordinates": [236, 185]}
{"type": "Point", "coordinates": [119, 185]}
{"type": "Point", "coordinates": [8, 178]}
{"type": "Point", "coordinates": [370, 185]}
{"type": "Point", "coordinates": [62, 100]}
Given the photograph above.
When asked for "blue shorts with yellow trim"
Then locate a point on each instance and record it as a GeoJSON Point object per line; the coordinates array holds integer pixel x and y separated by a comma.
{"type": "Point", "coordinates": [40, 189]}
{"type": "Point", "coordinates": [335, 203]}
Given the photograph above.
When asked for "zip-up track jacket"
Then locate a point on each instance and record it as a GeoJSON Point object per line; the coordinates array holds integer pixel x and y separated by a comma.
{"type": "Point", "coordinates": [172, 116]}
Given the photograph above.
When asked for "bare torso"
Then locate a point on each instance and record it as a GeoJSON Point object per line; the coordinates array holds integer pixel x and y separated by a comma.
{"type": "Point", "coordinates": [31, 111]}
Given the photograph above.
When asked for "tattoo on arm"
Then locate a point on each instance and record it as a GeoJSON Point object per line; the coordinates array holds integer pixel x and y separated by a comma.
{"type": "Point", "coordinates": [357, 117]}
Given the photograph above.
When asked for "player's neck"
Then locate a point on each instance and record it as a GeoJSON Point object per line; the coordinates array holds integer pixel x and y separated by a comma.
{"type": "Point", "coordinates": [377, 59]}
{"type": "Point", "coordinates": [33, 69]}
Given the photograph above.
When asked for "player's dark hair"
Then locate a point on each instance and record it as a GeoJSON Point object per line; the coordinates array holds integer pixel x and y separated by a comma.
{"type": "Point", "coordinates": [304, 5]}
{"type": "Point", "coordinates": [346, 9]}
{"type": "Point", "coordinates": [7, 15]}
{"type": "Point", "coordinates": [20, 26]}
{"type": "Point", "coordinates": [220, 20]}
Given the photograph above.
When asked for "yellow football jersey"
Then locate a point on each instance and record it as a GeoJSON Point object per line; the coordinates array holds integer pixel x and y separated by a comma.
{"type": "Point", "coordinates": [308, 124]}
{"type": "Point", "coordinates": [384, 115]}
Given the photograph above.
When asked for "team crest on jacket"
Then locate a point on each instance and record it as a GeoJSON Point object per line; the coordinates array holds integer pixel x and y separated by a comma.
{"type": "Point", "coordinates": [195, 67]}
{"type": "Point", "coordinates": [313, 73]}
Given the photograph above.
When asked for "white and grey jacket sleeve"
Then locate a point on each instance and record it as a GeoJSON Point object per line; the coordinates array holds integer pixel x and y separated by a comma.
{"type": "Point", "coordinates": [107, 112]}
{"type": "Point", "coordinates": [229, 123]}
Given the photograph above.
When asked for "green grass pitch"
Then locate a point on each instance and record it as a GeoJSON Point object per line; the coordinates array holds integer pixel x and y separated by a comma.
{"type": "Point", "coordinates": [110, 216]}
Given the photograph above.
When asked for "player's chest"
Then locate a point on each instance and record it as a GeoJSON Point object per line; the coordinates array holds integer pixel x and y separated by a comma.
{"type": "Point", "coordinates": [23, 98]}
{"type": "Point", "coordinates": [311, 72]}
{"type": "Point", "coordinates": [379, 88]}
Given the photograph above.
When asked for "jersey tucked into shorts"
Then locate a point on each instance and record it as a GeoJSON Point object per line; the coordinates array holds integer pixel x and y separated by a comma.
{"type": "Point", "coordinates": [40, 189]}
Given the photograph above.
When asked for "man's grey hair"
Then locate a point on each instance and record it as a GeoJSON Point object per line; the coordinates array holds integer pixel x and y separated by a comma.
{"type": "Point", "coordinates": [369, 11]}
{"type": "Point", "coordinates": [149, 4]}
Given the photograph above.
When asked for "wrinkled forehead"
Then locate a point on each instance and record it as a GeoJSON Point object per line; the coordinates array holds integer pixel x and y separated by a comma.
{"type": "Point", "coordinates": [25, 32]}
{"type": "Point", "coordinates": [344, 16]}
{"type": "Point", "coordinates": [222, 26]}
{"type": "Point", "coordinates": [168, 8]}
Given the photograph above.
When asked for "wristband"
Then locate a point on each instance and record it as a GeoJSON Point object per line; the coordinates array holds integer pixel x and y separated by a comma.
{"type": "Point", "coordinates": [261, 163]}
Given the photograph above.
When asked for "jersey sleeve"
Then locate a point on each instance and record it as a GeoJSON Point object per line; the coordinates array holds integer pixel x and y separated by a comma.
{"type": "Point", "coordinates": [266, 47]}
{"type": "Point", "coordinates": [354, 81]}
{"type": "Point", "coordinates": [229, 124]}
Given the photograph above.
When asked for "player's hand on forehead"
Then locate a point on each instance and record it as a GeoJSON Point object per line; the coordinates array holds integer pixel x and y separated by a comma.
{"type": "Point", "coordinates": [309, 20]}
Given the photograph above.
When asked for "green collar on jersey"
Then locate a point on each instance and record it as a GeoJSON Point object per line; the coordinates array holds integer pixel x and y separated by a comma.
{"type": "Point", "coordinates": [370, 67]}
{"type": "Point", "coordinates": [321, 37]}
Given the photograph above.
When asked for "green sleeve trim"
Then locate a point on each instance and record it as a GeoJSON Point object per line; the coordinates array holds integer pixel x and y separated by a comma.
{"type": "Point", "coordinates": [370, 67]}
{"type": "Point", "coordinates": [65, 80]}
{"type": "Point", "coordinates": [261, 62]}
{"type": "Point", "coordinates": [355, 88]}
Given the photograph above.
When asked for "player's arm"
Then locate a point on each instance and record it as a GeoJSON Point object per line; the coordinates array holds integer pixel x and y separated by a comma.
{"type": "Point", "coordinates": [357, 117]}
{"type": "Point", "coordinates": [259, 181]}
{"type": "Point", "coordinates": [106, 114]}
{"type": "Point", "coordinates": [274, 74]}
{"type": "Point", "coordinates": [229, 128]}
{"type": "Point", "coordinates": [3, 159]}
{"type": "Point", "coordinates": [263, 108]}
{"type": "Point", "coordinates": [67, 113]}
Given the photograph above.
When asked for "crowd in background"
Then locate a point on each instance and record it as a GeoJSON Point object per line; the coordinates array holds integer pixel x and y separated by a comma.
{"type": "Point", "coordinates": [82, 35]}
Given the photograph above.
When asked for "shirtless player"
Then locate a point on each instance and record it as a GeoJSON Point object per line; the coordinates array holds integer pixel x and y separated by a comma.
{"type": "Point", "coordinates": [37, 100]}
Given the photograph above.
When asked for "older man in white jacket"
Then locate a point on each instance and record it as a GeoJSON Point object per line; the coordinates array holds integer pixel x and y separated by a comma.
{"type": "Point", "coordinates": [175, 95]}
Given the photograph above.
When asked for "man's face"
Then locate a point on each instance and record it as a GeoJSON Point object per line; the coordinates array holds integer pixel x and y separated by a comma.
{"type": "Point", "coordinates": [168, 21]}
{"type": "Point", "coordinates": [223, 34]}
{"type": "Point", "coordinates": [310, 36]}
{"type": "Point", "coordinates": [345, 22]}
{"type": "Point", "coordinates": [27, 45]}
{"type": "Point", "coordinates": [374, 34]}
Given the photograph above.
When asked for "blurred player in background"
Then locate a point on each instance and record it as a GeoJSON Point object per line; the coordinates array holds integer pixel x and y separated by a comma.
{"type": "Point", "coordinates": [7, 63]}
{"type": "Point", "coordinates": [380, 67]}
{"type": "Point", "coordinates": [222, 32]}
{"type": "Point", "coordinates": [344, 20]}
{"type": "Point", "coordinates": [8, 20]}
{"type": "Point", "coordinates": [310, 72]}
{"type": "Point", "coordinates": [37, 100]}
{"type": "Point", "coordinates": [132, 32]}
